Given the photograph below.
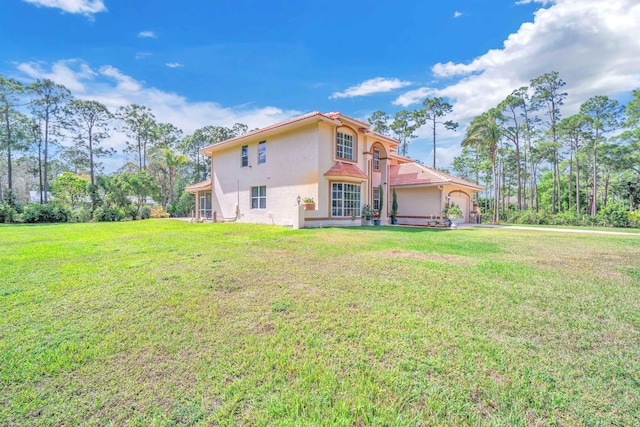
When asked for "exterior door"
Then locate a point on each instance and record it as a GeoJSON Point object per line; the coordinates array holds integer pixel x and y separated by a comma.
{"type": "Point", "coordinates": [205, 205]}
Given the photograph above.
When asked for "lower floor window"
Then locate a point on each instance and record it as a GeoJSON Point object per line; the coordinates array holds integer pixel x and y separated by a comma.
{"type": "Point", "coordinates": [259, 197]}
{"type": "Point", "coordinates": [345, 199]}
{"type": "Point", "coordinates": [376, 198]}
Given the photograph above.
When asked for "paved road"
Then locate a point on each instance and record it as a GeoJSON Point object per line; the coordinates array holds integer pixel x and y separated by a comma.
{"type": "Point", "coordinates": [560, 230]}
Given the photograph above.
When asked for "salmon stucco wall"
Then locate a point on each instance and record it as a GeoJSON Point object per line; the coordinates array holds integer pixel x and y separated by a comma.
{"type": "Point", "coordinates": [290, 170]}
{"type": "Point", "coordinates": [417, 203]}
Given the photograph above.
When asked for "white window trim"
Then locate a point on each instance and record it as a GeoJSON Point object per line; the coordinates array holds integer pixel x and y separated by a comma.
{"type": "Point", "coordinates": [339, 209]}
{"type": "Point", "coordinates": [259, 197]}
{"type": "Point", "coordinates": [263, 144]}
{"type": "Point", "coordinates": [244, 157]}
{"type": "Point", "coordinates": [376, 198]}
{"type": "Point", "coordinates": [341, 139]}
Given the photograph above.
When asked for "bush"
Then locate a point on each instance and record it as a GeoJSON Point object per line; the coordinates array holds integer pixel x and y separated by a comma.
{"type": "Point", "coordinates": [183, 206]}
{"type": "Point", "coordinates": [158, 212]}
{"type": "Point", "coordinates": [104, 214]}
{"type": "Point", "coordinates": [7, 213]}
{"type": "Point", "coordinates": [81, 215]}
{"type": "Point", "coordinates": [527, 217]}
{"type": "Point", "coordinates": [634, 219]}
{"type": "Point", "coordinates": [145, 212]}
{"type": "Point", "coordinates": [613, 215]}
{"type": "Point", "coordinates": [567, 218]}
{"type": "Point", "coordinates": [35, 212]}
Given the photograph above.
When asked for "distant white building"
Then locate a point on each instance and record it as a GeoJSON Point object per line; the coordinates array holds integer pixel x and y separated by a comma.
{"type": "Point", "coordinates": [34, 196]}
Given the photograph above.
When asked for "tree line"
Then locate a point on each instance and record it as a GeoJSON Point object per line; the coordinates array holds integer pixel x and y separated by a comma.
{"type": "Point", "coordinates": [536, 164]}
{"type": "Point", "coordinates": [45, 132]}
{"type": "Point", "coordinates": [583, 168]}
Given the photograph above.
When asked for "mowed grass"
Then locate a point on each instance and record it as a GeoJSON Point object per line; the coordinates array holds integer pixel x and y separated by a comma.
{"type": "Point", "coordinates": [161, 322]}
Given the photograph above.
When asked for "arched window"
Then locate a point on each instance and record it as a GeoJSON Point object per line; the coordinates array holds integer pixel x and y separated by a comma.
{"type": "Point", "coordinates": [376, 159]}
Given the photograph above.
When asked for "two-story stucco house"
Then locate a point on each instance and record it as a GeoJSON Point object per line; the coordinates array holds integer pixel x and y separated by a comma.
{"type": "Point", "coordinates": [260, 177]}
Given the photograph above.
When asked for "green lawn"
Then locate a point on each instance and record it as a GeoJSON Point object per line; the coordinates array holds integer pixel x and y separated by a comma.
{"type": "Point", "coordinates": [575, 227]}
{"type": "Point", "coordinates": [161, 322]}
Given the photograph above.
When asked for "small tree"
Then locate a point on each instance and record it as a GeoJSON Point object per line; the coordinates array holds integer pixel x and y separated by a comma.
{"type": "Point", "coordinates": [140, 185]}
{"type": "Point", "coordinates": [69, 189]}
{"type": "Point", "coordinates": [394, 205]}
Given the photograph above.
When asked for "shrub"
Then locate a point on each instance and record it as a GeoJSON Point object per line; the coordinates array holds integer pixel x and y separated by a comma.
{"type": "Point", "coordinates": [35, 212]}
{"type": "Point", "coordinates": [634, 219]}
{"type": "Point", "coordinates": [145, 212]}
{"type": "Point", "coordinates": [158, 212]}
{"type": "Point", "coordinates": [104, 214]}
{"type": "Point", "coordinates": [526, 217]}
{"type": "Point", "coordinates": [7, 213]}
{"type": "Point", "coordinates": [567, 218]}
{"type": "Point", "coordinates": [81, 215]}
{"type": "Point", "coordinates": [613, 215]}
{"type": "Point", "coordinates": [183, 206]}
{"type": "Point", "coordinates": [59, 213]}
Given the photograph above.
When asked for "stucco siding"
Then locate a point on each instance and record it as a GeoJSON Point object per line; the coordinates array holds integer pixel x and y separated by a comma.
{"type": "Point", "coordinates": [291, 169]}
{"type": "Point", "coordinates": [418, 202]}
{"type": "Point", "coordinates": [461, 197]}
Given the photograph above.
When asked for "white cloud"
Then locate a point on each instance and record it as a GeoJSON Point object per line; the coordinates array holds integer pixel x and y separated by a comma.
{"type": "Point", "coordinates": [115, 89]}
{"type": "Point", "coordinates": [71, 73]}
{"type": "Point", "coordinates": [371, 86]}
{"type": "Point", "coordinates": [124, 82]}
{"type": "Point", "coordinates": [83, 7]}
{"type": "Point", "coordinates": [457, 14]}
{"type": "Point", "coordinates": [542, 2]}
{"type": "Point", "coordinates": [147, 34]}
{"type": "Point", "coordinates": [142, 55]}
{"type": "Point", "coordinates": [174, 64]}
{"type": "Point", "coordinates": [587, 41]}
{"type": "Point", "coordinates": [414, 96]}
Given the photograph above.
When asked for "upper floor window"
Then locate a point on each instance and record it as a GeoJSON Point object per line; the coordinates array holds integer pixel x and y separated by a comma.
{"type": "Point", "coordinates": [245, 155]}
{"type": "Point", "coordinates": [262, 152]}
{"type": "Point", "coordinates": [376, 159]}
{"type": "Point", "coordinates": [259, 197]}
{"type": "Point", "coordinates": [344, 146]}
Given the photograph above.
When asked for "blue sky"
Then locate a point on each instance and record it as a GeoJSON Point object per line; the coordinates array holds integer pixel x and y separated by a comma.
{"type": "Point", "coordinates": [198, 63]}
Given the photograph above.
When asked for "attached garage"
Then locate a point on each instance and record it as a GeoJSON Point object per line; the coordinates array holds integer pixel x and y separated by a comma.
{"type": "Point", "coordinates": [423, 193]}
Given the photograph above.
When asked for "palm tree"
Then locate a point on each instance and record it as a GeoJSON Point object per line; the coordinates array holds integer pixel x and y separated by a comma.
{"type": "Point", "coordinates": [172, 161]}
{"type": "Point", "coordinates": [484, 133]}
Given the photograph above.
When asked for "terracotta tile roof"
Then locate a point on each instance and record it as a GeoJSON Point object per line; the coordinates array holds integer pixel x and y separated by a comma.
{"type": "Point", "coordinates": [203, 185]}
{"type": "Point", "coordinates": [416, 174]}
{"type": "Point", "coordinates": [348, 170]}
{"type": "Point", "coordinates": [274, 126]}
{"type": "Point", "coordinates": [401, 158]}
{"type": "Point", "coordinates": [327, 116]}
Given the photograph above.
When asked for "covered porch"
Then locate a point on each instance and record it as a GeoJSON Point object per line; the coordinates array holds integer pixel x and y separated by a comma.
{"type": "Point", "coordinates": [202, 192]}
